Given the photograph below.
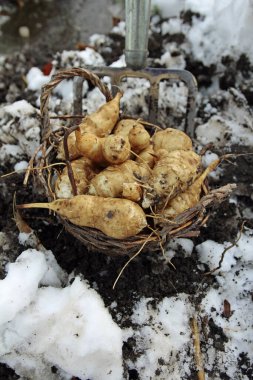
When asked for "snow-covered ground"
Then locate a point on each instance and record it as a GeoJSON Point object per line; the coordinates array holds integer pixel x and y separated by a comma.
{"type": "Point", "coordinates": [51, 319]}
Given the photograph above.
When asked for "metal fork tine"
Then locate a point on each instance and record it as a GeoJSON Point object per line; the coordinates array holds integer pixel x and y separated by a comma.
{"type": "Point", "coordinates": [136, 51]}
{"type": "Point", "coordinates": [78, 95]}
{"type": "Point", "coordinates": [154, 76]}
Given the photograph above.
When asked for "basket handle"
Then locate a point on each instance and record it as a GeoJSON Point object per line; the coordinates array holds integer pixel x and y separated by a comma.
{"type": "Point", "coordinates": [56, 79]}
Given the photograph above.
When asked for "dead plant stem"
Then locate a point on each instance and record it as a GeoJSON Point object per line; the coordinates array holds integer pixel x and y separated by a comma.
{"type": "Point", "coordinates": [197, 349]}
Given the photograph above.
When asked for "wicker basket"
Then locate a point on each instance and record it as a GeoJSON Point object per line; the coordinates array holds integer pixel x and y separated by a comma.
{"type": "Point", "coordinates": [186, 224]}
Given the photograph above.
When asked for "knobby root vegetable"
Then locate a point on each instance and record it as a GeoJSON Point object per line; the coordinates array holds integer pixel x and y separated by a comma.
{"type": "Point", "coordinates": [109, 182]}
{"type": "Point", "coordinates": [132, 191]}
{"type": "Point", "coordinates": [173, 172]}
{"type": "Point", "coordinates": [124, 126]}
{"type": "Point", "coordinates": [117, 218]}
{"type": "Point", "coordinates": [139, 137]}
{"type": "Point", "coordinates": [147, 156]}
{"type": "Point", "coordinates": [83, 171]}
{"type": "Point", "coordinates": [190, 197]}
{"type": "Point", "coordinates": [171, 139]}
{"type": "Point", "coordinates": [90, 146]}
{"type": "Point", "coordinates": [116, 149]}
{"type": "Point", "coordinates": [103, 150]}
{"type": "Point", "coordinates": [102, 122]}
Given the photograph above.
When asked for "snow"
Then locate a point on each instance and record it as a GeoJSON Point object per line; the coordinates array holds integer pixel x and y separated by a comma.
{"type": "Point", "coordinates": [224, 29]}
{"type": "Point", "coordinates": [42, 326]}
{"type": "Point", "coordinates": [18, 109]}
{"type": "Point", "coordinates": [20, 166]}
{"type": "Point", "coordinates": [36, 79]}
{"type": "Point", "coordinates": [171, 61]}
{"type": "Point", "coordinates": [82, 58]}
{"type": "Point", "coordinates": [20, 130]}
{"type": "Point", "coordinates": [168, 9]}
{"type": "Point", "coordinates": [210, 252]}
{"type": "Point", "coordinates": [233, 124]}
{"type": "Point", "coordinates": [235, 285]}
{"type": "Point", "coordinates": [119, 29]}
{"type": "Point", "coordinates": [162, 337]}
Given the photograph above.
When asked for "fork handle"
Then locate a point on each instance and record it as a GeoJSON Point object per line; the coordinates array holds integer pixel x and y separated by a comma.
{"type": "Point", "coordinates": [137, 24]}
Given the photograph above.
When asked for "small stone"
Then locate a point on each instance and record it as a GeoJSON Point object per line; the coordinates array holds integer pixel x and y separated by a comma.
{"type": "Point", "coordinates": [24, 32]}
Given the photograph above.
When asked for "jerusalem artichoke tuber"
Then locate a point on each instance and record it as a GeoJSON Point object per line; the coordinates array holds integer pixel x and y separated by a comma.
{"type": "Point", "coordinates": [190, 197]}
{"type": "Point", "coordinates": [109, 182]}
{"type": "Point", "coordinates": [171, 139]}
{"type": "Point", "coordinates": [104, 119]}
{"type": "Point", "coordinates": [173, 172]}
{"type": "Point", "coordinates": [139, 137]}
{"type": "Point", "coordinates": [117, 218]}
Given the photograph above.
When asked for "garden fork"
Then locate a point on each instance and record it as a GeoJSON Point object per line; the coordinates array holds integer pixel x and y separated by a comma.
{"type": "Point", "coordinates": [136, 50]}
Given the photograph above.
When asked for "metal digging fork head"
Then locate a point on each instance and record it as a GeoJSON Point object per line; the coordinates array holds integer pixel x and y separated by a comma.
{"type": "Point", "coordinates": [136, 51]}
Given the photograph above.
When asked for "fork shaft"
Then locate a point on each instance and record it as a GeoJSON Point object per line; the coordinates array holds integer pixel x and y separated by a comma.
{"type": "Point", "coordinates": [137, 25]}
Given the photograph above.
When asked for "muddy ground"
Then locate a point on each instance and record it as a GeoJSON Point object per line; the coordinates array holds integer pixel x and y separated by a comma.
{"type": "Point", "coordinates": [54, 26]}
{"type": "Point", "coordinates": [148, 275]}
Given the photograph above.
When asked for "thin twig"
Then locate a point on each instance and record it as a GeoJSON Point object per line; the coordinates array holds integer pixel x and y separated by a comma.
{"type": "Point", "coordinates": [67, 157]}
{"type": "Point", "coordinates": [33, 169]}
{"type": "Point", "coordinates": [197, 349]}
{"type": "Point", "coordinates": [226, 250]}
{"type": "Point", "coordinates": [30, 165]}
{"type": "Point", "coordinates": [131, 258]}
{"type": "Point", "coordinates": [67, 117]}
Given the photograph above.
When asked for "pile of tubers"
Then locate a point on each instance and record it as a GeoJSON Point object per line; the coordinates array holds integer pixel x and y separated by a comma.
{"type": "Point", "coordinates": [124, 175]}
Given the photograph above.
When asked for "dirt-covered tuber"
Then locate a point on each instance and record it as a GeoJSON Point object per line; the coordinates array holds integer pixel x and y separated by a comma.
{"type": "Point", "coordinates": [147, 156]}
{"type": "Point", "coordinates": [99, 123]}
{"type": "Point", "coordinates": [102, 122]}
{"type": "Point", "coordinates": [109, 182]}
{"type": "Point", "coordinates": [190, 197]}
{"type": "Point", "coordinates": [171, 139]}
{"type": "Point", "coordinates": [138, 136]}
{"type": "Point", "coordinates": [112, 149]}
{"type": "Point", "coordinates": [83, 171]}
{"type": "Point", "coordinates": [173, 172]}
{"type": "Point", "coordinates": [117, 218]}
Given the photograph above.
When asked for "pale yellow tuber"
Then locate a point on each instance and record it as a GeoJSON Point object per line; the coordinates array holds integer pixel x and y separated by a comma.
{"type": "Point", "coordinates": [102, 122]}
{"type": "Point", "coordinates": [116, 149]}
{"type": "Point", "coordinates": [132, 191]}
{"type": "Point", "coordinates": [172, 173]}
{"type": "Point", "coordinates": [117, 218]}
{"type": "Point", "coordinates": [171, 139]}
{"type": "Point", "coordinates": [190, 197]}
{"type": "Point", "coordinates": [124, 126]}
{"type": "Point", "coordinates": [109, 182]}
{"type": "Point", "coordinates": [139, 137]}
{"type": "Point", "coordinates": [99, 123]}
{"type": "Point", "coordinates": [103, 150]}
{"type": "Point", "coordinates": [83, 171]}
{"type": "Point", "coordinates": [89, 145]}
{"type": "Point", "coordinates": [147, 156]}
